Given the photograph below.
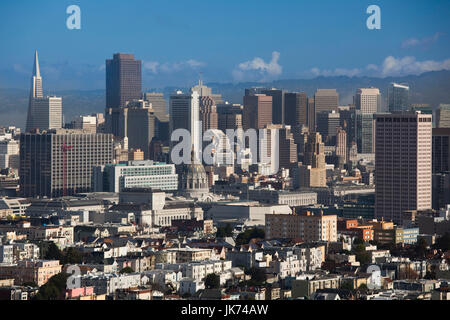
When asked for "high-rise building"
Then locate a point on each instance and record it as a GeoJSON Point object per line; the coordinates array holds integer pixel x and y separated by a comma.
{"type": "Point", "coordinates": [287, 149]}
{"type": "Point", "coordinates": [208, 113]}
{"type": "Point", "coordinates": [327, 124]}
{"type": "Point", "coordinates": [230, 118]}
{"type": "Point", "coordinates": [313, 172]}
{"type": "Point", "coordinates": [123, 80]}
{"type": "Point", "coordinates": [311, 115]}
{"type": "Point", "coordinates": [161, 116]}
{"type": "Point", "coordinates": [184, 114]}
{"type": "Point", "coordinates": [443, 116]}
{"type": "Point", "coordinates": [441, 150]}
{"type": "Point", "coordinates": [296, 109]}
{"type": "Point", "coordinates": [88, 123]}
{"type": "Point", "coordinates": [402, 164]}
{"type": "Point", "coordinates": [365, 132]}
{"type": "Point", "coordinates": [257, 111]}
{"type": "Point", "coordinates": [347, 116]}
{"type": "Point", "coordinates": [326, 100]}
{"type": "Point", "coordinates": [368, 101]}
{"type": "Point", "coordinates": [43, 112]}
{"type": "Point", "coordinates": [140, 128]}
{"type": "Point", "coordinates": [341, 145]}
{"type": "Point", "coordinates": [278, 104]}
{"type": "Point", "coordinates": [398, 97]}
{"type": "Point", "coordinates": [59, 162]}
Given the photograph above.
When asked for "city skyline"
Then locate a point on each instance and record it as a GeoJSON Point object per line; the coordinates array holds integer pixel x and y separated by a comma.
{"type": "Point", "coordinates": [237, 51]}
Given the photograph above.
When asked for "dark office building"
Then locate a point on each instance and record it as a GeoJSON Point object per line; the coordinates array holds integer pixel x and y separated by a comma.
{"type": "Point", "coordinates": [311, 115]}
{"type": "Point", "coordinates": [61, 159]}
{"type": "Point", "coordinates": [327, 124]}
{"type": "Point", "coordinates": [441, 150]}
{"type": "Point", "coordinates": [257, 111]}
{"type": "Point", "coordinates": [123, 80]}
{"type": "Point", "coordinates": [296, 109]}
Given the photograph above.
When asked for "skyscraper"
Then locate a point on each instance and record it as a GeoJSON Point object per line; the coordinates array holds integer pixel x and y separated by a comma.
{"type": "Point", "coordinates": [311, 115]}
{"type": "Point", "coordinates": [443, 116]}
{"type": "Point", "coordinates": [365, 132]}
{"type": "Point", "coordinates": [208, 113]}
{"type": "Point", "coordinates": [296, 109]}
{"type": "Point", "coordinates": [341, 145]}
{"type": "Point", "coordinates": [313, 171]}
{"type": "Point", "coordinates": [326, 100]}
{"type": "Point", "coordinates": [441, 150]}
{"type": "Point", "coordinates": [398, 97]}
{"type": "Point", "coordinates": [184, 114]}
{"type": "Point", "coordinates": [161, 116]}
{"type": "Point", "coordinates": [327, 124]}
{"type": "Point", "coordinates": [368, 100]}
{"type": "Point", "coordinates": [140, 120]}
{"type": "Point", "coordinates": [278, 104]}
{"type": "Point", "coordinates": [43, 112]}
{"type": "Point", "coordinates": [61, 160]}
{"type": "Point", "coordinates": [402, 164]}
{"type": "Point", "coordinates": [257, 111]}
{"type": "Point", "coordinates": [123, 80]}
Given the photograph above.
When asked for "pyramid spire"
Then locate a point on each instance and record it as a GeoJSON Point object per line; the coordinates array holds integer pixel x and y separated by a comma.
{"type": "Point", "coordinates": [36, 71]}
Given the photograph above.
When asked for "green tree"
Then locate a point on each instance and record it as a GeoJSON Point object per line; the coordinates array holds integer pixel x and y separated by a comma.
{"type": "Point", "coordinates": [54, 288]}
{"type": "Point", "coordinates": [72, 256]}
{"type": "Point", "coordinates": [421, 247]}
{"type": "Point", "coordinates": [223, 232]}
{"type": "Point", "coordinates": [53, 252]}
{"type": "Point", "coordinates": [249, 234]}
{"type": "Point", "coordinates": [212, 281]}
{"type": "Point", "coordinates": [126, 270]}
{"type": "Point", "coordinates": [258, 275]}
{"type": "Point", "coordinates": [443, 242]}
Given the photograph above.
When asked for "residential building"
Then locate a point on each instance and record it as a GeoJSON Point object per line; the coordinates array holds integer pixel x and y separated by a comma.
{"type": "Point", "coordinates": [307, 227]}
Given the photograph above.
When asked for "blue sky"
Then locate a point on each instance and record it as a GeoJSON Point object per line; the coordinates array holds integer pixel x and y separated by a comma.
{"type": "Point", "coordinates": [227, 41]}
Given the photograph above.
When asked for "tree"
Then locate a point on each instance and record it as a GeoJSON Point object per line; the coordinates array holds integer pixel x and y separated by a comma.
{"type": "Point", "coordinates": [363, 287]}
{"type": "Point", "coordinates": [126, 270]}
{"type": "Point", "coordinates": [361, 254]}
{"type": "Point", "coordinates": [347, 285]}
{"type": "Point", "coordinates": [421, 248]}
{"type": "Point", "coordinates": [247, 235]}
{"type": "Point", "coordinates": [223, 232]}
{"type": "Point", "coordinates": [258, 275]}
{"type": "Point", "coordinates": [72, 256]}
{"type": "Point", "coordinates": [54, 288]}
{"type": "Point", "coordinates": [443, 242]}
{"type": "Point", "coordinates": [212, 281]}
{"type": "Point", "coordinates": [53, 252]}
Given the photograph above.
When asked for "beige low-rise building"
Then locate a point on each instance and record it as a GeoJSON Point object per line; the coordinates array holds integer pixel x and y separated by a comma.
{"type": "Point", "coordinates": [37, 271]}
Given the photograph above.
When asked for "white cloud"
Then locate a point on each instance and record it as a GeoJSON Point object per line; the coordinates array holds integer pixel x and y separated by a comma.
{"type": "Point", "coordinates": [258, 69]}
{"type": "Point", "coordinates": [336, 72]}
{"type": "Point", "coordinates": [409, 65]}
{"type": "Point", "coordinates": [391, 66]}
{"type": "Point", "coordinates": [413, 42]}
{"type": "Point", "coordinates": [168, 67]}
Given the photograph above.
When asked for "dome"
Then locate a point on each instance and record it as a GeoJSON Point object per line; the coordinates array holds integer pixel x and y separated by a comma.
{"type": "Point", "coordinates": [194, 180]}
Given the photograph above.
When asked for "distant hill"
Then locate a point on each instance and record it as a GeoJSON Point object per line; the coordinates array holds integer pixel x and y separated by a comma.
{"type": "Point", "coordinates": [432, 88]}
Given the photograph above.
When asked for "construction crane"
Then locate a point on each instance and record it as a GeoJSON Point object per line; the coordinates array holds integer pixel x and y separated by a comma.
{"type": "Point", "coordinates": [64, 149]}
